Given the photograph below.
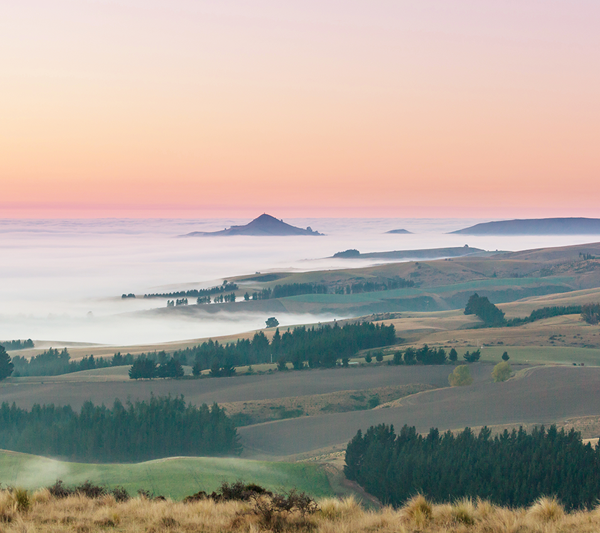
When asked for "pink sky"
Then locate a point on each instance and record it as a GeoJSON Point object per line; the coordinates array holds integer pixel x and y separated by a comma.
{"type": "Point", "coordinates": [312, 107]}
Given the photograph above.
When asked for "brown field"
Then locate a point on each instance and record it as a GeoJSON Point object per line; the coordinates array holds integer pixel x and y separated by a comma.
{"type": "Point", "coordinates": [256, 412]}
{"type": "Point", "coordinates": [39, 511]}
{"type": "Point", "coordinates": [224, 390]}
{"type": "Point", "coordinates": [542, 395]}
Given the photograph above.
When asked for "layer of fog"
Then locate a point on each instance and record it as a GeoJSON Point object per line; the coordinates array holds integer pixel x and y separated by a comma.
{"type": "Point", "coordinates": [61, 280]}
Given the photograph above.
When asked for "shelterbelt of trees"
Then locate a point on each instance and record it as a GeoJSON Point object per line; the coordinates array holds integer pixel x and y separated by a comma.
{"type": "Point", "coordinates": [194, 293]}
{"type": "Point", "coordinates": [320, 346]}
{"type": "Point", "coordinates": [162, 427]}
{"type": "Point", "coordinates": [203, 296]}
{"type": "Point", "coordinates": [17, 345]}
{"type": "Point", "coordinates": [316, 347]}
{"type": "Point", "coordinates": [356, 287]}
{"type": "Point", "coordinates": [494, 317]}
{"type": "Point", "coordinates": [511, 469]}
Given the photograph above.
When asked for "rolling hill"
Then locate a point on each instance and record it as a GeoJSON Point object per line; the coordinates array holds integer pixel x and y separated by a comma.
{"type": "Point", "coordinates": [536, 226]}
{"type": "Point", "coordinates": [175, 477]}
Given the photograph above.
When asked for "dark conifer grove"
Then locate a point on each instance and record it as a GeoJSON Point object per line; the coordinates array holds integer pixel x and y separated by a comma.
{"type": "Point", "coordinates": [161, 427]}
{"type": "Point", "coordinates": [513, 468]}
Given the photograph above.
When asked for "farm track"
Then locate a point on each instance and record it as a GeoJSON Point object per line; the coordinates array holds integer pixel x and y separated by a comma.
{"type": "Point", "coordinates": [546, 395]}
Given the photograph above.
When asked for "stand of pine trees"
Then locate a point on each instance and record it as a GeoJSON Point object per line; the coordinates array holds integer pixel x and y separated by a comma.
{"type": "Point", "coordinates": [317, 346]}
{"type": "Point", "coordinates": [485, 310]}
{"type": "Point", "coordinates": [162, 427]}
{"type": "Point", "coordinates": [512, 469]}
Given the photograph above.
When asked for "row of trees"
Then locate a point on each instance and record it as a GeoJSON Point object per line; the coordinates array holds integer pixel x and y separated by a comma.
{"type": "Point", "coordinates": [195, 293]}
{"type": "Point", "coordinates": [178, 302]}
{"type": "Point", "coordinates": [17, 345]}
{"type": "Point", "coordinates": [545, 312]}
{"type": "Point", "coordinates": [320, 346]}
{"type": "Point", "coordinates": [374, 286]}
{"type": "Point", "coordinates": [513, 468]}
{"type": "Point", "coordinates": [494, 317]}
{"type": "Point", "coordinates": [160, 427]}
{"type": "Point", "coordinates": [54, 362]}
{"type": "Point", "coordinates": [146, 368]}
{"type": "Point", "coordinates": [295, 289]}
{"type": "Point", "coordinates": [432, 356]}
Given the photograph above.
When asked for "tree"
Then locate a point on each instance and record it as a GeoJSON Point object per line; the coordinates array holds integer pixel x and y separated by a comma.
{"type": "Point", "coordinates": [501, 372]}
{"type": "Point", "coordinates": [6, 364]}
{"type": "Point", "coordinates": [246, 296]}
{"type": "Point", "coordinates": [281, 364]}
{"type": "Point", "coordinates": [142, 368]}
{"type": "Point", "coordinates": [472, 357]}
{"type": "Point", "coordinates": [272, 322]}
{"type": "Point", "coordinates": [505, 356]}
{"type": "Point", "coordinates": [453, 355]}
{"type": "Point", "coordinates": [410, 356]}
{"type": "Point", "coordinates": [368, 358]}
{"type": "Point", "coordinates": [397, 358]}
{"type": "Point", "coordinates": [485, 310]}
{"type": "Point", "coordinates": [460, 377]}
{"type": "Point", "coordinates": [379, 357]}
{"type": "Point", "coordinates": [591, 313]}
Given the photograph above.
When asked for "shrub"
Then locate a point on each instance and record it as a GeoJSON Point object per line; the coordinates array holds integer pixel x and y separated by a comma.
{"type": "Point", "coordinates": [397, 358]}
{"type": "Point", "coordinates": [460, 377]}
{"type": "Point", "coordinates": [501, 372]}
{"type": "Point", "coordinates": [505, 356]}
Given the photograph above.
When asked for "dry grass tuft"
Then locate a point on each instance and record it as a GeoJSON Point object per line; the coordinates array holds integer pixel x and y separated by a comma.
{"type": "Point", "coordinates": [418, 510]}
{"type": "Point", "coordinates": [546, 510]}
{"type": "Point", "coordinates": [464, 512]}
{"type": "Point", "coordinates": [334, 509]}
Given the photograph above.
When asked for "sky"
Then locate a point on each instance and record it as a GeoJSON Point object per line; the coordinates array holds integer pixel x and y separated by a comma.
{"type": "Point", "coordinates": [387, 108]}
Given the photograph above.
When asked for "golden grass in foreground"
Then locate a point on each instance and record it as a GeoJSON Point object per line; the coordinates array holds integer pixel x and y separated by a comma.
{"type": "Point", "coordinates": [41, 512]}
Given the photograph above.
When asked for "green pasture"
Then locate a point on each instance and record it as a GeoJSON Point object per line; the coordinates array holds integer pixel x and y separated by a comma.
{"type": "Point", "coordinates": [366, 297]}
{"type": "Point", "coordinates": [538, 354]}
{"type": "Point", "coordinates": [174, 477]}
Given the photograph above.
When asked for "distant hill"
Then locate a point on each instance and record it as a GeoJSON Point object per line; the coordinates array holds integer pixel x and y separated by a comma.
{"type": "Point", "coordinates": [428, 253]}
{"type": "Point", "coordinates": [263, 226]}
{"type": "Point", "coordinates": [400, 231]}
{"type": "Point", "coordinates": [536, 226]}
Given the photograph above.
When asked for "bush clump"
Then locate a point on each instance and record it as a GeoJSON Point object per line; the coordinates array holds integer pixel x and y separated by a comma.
{"type": "Point", "coordinates": [501, 372]}
{"type": "Point", "coordinates": [460, 377]}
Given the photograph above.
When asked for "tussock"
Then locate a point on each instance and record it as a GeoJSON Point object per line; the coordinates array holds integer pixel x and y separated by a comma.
{"type": "Point", "coordinates": [80, 513]}
{"type": "Point", "coordinates": [546, 510]}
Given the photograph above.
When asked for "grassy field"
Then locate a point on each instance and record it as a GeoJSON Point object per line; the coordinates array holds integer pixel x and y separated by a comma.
{"type": "Point", "coordinates": [174, 477]}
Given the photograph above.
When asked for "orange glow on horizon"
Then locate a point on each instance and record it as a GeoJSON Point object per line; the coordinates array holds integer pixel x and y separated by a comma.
{"type": "Point", "coordinates": [132, 108]}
